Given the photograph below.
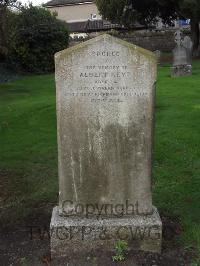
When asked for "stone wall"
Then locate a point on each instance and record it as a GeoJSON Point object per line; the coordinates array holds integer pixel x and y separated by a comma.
{"type": "Point", "coordinates": [150, 40]}
{"type": "Point", "coordinates": [163, 41]}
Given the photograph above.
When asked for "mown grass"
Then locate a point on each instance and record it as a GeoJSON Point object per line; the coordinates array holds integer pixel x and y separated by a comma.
{"type": "Point", "coordinates": [177, 151]}
{"type": "Point", "coordinates": [28, 149]}
{"type": "Point", "coordinates": [28, 146]}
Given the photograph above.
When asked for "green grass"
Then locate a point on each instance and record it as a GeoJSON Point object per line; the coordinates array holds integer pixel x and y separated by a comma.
{"type": "Point", "coordinates": [28, 149]}
{"type": "Point", "coordinates": [177, 151]}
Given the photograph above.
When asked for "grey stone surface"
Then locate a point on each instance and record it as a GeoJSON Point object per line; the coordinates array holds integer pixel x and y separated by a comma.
{"type": "Point", "coordinates": [182, 70]}
{"type": "Point", "coordinates": [178, 35]}
{"type": "Point", "coordinates": [76, 235]}
{"type": "Point", "coordinates": [158, 55]}
{"type": "Point", "coordinates": [182, 56]}
{"type": "Point", "coordinates": [105, 110]}
{"type": "Point", "coordinates": [105, 119]}
{"type": "Point", "coordinates": [187, 43]}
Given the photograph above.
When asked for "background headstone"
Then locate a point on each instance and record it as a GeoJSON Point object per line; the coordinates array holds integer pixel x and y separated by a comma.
{"type": "Point", "coordinates": [182, 56]}
{"type": "Point", "coordinates": [178, 35]}
{"type": "Point", "coordinates": [105, 113]}
{"type": "Point", "coordinates": [187, 43]}
{"type": "Point", "coordinates": [158, 54]}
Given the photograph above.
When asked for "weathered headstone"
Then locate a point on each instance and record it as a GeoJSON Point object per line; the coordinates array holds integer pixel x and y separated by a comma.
{"type": "Point", "coordinates": [158, 55]}
{"type": "Point", "coordinates": [105, 119]}
{"type": "Point", "coordinates": [182, 57]}
{"type": "Point", "coordinates": [187, 43]}
{"type": "Point", "coordinates": [178, 37]}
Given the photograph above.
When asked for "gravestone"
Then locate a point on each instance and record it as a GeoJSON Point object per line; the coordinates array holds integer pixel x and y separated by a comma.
{"type": "Point", "coordinates": [182, 57]}
{"type": "Point", "coordinates": [187, 43]}
{"type": "Point", "coordinates": [158, 55]}
{"type": "Point", "coordinates": [105, 120]}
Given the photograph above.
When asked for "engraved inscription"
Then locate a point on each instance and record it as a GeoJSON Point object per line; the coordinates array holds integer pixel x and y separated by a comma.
{"type": "Point", "coordinates": [101, 82]}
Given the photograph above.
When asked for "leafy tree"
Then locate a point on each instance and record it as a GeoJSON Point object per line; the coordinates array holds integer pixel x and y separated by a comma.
{"type": "Point", "coordinates": [36, 37]}
{"type": "Point", "coordinates": [4, 17]}
{"type": "Point", "coordinates": [147, 11]}
{"type": "Point", "coordinates": [143, 11]}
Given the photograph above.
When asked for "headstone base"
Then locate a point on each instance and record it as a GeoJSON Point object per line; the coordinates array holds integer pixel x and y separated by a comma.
{"type": "Point", "coordinates": [75, 236]}
{"type": "Point", "coordinates": [182, 70]}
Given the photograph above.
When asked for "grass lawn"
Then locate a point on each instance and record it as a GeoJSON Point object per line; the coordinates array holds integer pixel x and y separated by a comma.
{"type": "Point", "coordinates": [28, 149]}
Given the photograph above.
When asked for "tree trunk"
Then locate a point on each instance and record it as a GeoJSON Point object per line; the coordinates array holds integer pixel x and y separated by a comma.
{"type": "Point", "coordinates": [195, 36]}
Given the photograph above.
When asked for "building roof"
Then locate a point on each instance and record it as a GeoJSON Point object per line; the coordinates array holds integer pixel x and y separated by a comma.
{"type": "Point", "coordinates": [77, 26]}
{"type": "Point", "coordinates": [91, 26]}
{"type": "Point", "coordinates": [67, 2]}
